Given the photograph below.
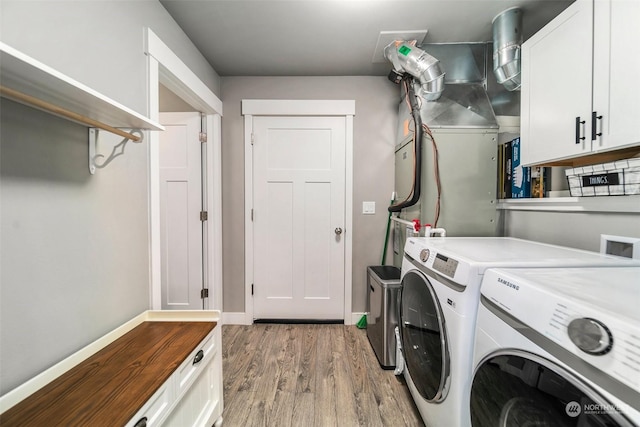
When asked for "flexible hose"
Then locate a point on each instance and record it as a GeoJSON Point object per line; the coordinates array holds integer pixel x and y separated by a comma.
{"type": "Point", "coordinates": [417, 123]}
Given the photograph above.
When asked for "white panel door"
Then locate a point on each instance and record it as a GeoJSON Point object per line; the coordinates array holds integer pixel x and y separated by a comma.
{"type": "Point", "coordinates": [180, 205]}
{"type": "Point", "coordinates": [299, 214]}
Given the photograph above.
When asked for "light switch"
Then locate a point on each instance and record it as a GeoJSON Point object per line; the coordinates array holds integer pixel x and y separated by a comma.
{"type": "Point", "coordinates": [368, 208]}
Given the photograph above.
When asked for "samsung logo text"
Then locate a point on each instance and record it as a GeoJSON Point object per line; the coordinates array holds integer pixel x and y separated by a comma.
{"type": "Point", "coordinates": [508, 284]}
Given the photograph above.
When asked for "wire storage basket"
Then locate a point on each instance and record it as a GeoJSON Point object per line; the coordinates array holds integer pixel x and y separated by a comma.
{"type": "Point", "coordinates": [618, 178]}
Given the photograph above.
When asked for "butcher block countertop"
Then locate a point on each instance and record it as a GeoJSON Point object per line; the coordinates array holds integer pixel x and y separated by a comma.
{"type": "Point", "coordinates": [109, 387]}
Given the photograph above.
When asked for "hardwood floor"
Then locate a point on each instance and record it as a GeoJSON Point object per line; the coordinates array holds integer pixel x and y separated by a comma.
{"type": "Point", "coordinates": [309, 375]}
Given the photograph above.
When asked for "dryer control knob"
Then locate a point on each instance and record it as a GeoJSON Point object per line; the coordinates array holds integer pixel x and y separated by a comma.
{"type": "Point", "coordinates": [424, 255]}
{"type": "Point", "coordinates": [590, 335]}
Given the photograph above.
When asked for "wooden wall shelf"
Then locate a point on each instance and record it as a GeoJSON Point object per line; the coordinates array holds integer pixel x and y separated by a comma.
{"type": "Point", "coordinates": [600, 204]}
{"type": "Point", "coordinates": [22, 74]}
{"type": "Point", "coordinates": [596, 158]}
{"type": "Point", "coordinates": [32, 83]}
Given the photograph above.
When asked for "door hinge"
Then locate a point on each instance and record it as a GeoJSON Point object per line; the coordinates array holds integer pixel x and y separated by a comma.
{"type": "Point", "coordinates": [204, 293]}
{"type": "Point", "coordinates": [204, 215]}
{"type": "Point", "coordinates": [252, 289]}
{"type": "Point", "coordinates": [252, 139]}
{"type": "Point", "coordinates": [251, 215]}
{"type": "Point", "coordinates": [203, 137]}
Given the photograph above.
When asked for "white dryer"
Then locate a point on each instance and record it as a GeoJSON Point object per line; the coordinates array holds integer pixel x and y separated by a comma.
{"type": "Point", "coordinates": [439, 298]}
{"type": "Point", "coordinates": [558, 347]}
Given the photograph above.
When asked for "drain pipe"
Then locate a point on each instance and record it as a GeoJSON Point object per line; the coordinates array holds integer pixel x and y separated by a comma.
{"type": "Point", "coordinates": [417, 123]}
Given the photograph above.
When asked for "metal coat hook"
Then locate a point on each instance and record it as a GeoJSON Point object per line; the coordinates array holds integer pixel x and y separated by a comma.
{"type": "Point", "coordinates": [117, 151]}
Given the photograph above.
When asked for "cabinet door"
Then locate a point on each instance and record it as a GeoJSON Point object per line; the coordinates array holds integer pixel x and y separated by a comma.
{"type": "Point", "coordinates": [616, 67]}
{"type": "Point", "coordinates": [199, 404]}
{"type": "Point", "coordinates": [556, 86]}
{"type": "Point", "coordinates": [202, 402]}
{"type": "Point", "coordinates": [156, 409]}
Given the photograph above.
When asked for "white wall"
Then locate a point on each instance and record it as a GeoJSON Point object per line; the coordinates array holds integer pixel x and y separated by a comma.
{"type": "Point", "coordinates": [580, 230]}
{"type": "Point", "coordinates": [75, 254]}
{"type": "Point", "coordinates": [99, 43]}
{"type": "Point", "coordinates": [374, 140]}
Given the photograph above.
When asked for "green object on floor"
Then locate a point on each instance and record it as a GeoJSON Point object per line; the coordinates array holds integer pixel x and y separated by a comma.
{"type": "Point", "coordinates": [362, 323]}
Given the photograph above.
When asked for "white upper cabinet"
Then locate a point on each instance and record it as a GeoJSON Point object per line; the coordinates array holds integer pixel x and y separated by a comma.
{"type": "Point", "coordinates": [616, 74]}
{"type": "Point", "coordinates": [579, 94]}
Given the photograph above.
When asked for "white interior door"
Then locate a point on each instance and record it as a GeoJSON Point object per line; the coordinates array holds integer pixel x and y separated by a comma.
{"type": "Point", "coordinates": [180, 204]}
{"type": "Point", "coordinates": [299, 217]}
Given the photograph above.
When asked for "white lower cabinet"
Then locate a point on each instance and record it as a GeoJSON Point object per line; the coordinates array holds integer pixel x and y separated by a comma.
{"type": "Point", "coordinates": [200, 402]}
{"type": "Point", "coordinates": [192, 396]}
{"type": "Point", "coordinates": [155, 410]}
{"type": "Point", "coordinates": [194, 364]}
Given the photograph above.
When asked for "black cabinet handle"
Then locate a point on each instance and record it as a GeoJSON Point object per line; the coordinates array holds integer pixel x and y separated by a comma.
{"type": "Point", "coordinates": [142, 422]}
{"type": "Point", "coordinates": [594, 125]}
{"type": "Point", "coordinates": [198, 358]}
{"type": "Point", "coordinates": [372, 288]}
{"type": "Point", "coordinates": [578, 137]}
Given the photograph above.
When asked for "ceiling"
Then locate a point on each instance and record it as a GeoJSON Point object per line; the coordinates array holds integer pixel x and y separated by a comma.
{"type": "Point", "coordinates": [333, 37]}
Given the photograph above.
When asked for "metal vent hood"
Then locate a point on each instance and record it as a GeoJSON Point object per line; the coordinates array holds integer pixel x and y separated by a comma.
{"type": "Point", "coordinates": [464, 103]}
{"type": "Point", "coordinates": [460, 106]}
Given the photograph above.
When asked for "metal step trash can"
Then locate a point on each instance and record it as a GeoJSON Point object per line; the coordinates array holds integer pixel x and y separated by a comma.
{"type": "Point", "coordinates": [383, 286]}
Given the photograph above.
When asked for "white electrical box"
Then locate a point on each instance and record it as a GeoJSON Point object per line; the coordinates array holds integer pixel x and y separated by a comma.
{"type": "Point", "coordinates": [626, 247]}
{"type": "Point", "coordinates": [368, 208]}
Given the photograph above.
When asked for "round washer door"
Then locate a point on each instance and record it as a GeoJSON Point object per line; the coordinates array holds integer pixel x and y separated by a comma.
{"type": "Point", "coordinates": [424, 341]}
{"type": "Point", "coordinates": [517, 389]}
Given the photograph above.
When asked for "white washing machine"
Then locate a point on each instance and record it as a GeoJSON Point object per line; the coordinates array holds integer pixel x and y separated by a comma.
{"type": "Point", "coordinates": [558, 347]}
{"type": "Point", "coordinates": [439, 298]}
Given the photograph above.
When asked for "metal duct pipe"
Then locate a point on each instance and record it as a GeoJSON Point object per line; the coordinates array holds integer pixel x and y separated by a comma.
{"type": "Point", "coordinates": [405, 57]}
{"type": "Point", "coordinates": [426, 69]}
{"type": "Point", "coordinates": [507, 40]}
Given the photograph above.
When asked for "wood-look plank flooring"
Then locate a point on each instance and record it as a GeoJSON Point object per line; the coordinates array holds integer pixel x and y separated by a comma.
{"type": "Point", "coordinates": [309, 375]}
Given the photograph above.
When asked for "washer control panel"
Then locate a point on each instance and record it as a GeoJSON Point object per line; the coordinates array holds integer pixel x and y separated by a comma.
{"type": "Point", "coordinates": [445, 265]}
{"type": "Point", "coordinates": [422, 252]}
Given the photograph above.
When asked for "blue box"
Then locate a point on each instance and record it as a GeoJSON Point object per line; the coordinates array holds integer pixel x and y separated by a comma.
{"type": "Point", "coordinates": [520, 175]}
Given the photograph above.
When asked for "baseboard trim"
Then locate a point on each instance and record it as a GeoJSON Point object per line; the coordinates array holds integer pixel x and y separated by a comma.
{"type": "Point", "coordinates": [241, 318]}
{"type": "Point", "coordinates": [355, 318]}
{"type": "Point", "coordinates": [236, 318]}
{"type": "Point", "coordinates": [302, 321]}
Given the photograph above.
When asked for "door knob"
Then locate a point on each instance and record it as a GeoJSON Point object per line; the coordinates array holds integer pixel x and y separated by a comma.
{"type": "Point", "coordinates": [338, 231]}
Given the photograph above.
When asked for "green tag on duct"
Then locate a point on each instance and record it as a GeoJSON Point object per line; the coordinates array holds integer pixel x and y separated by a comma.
{"type": "Point", "coordinates": [404, 50]}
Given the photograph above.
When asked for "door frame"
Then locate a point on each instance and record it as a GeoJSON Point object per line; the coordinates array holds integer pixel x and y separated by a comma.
{"type": "Point", "coordinates": [164, 66]}
{"type": "Point", "coordinates": [283, 107]}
